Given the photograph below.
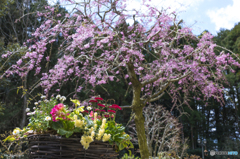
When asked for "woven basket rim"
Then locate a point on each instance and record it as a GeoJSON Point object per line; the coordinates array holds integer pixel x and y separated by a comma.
{"type": "Point", "coordinates": [59, 137]}
{"type": "Point", "coordinates": [56, 147]}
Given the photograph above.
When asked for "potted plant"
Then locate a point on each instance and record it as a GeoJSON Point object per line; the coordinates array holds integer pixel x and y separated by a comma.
{"type": "Point", "coordinates": [56, 131]}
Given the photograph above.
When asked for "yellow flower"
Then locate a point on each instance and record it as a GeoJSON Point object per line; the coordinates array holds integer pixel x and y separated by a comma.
{"type": "Point", "coordinates": [91, 130]}
{"type": "Point", "coordinates": [103, 123]}
{"type": "Point", "coordinates": [95, 115]}
{"type": "Point", "coordinates": [85, 141]}
{"type": "Point", "coordinates": [95, 126]}
{"type": "Point", "coordinates": [92, 134]}
{"type": "Point", "coordinates": [75, 117]}
{"type": "Point", "coordinates": [106, 137]}
{"type": "Point", "coordinates": [100, 134]}
{"type": "Point", "coordinates": [79, 123]}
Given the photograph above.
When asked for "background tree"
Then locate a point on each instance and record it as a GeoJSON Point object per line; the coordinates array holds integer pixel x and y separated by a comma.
{"type": "Point", "coordinates": [162, 132]}
{"type": "Point", "coordinates": [13, 104]}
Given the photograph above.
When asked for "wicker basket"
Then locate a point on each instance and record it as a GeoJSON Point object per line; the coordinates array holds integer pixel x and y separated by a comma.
{"type": "Point", "coordinates": [57, 147]}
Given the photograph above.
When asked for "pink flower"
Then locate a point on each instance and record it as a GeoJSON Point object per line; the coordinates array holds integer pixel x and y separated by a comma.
{"type": "Point", "coordinates": [58, 111]}
{"type": "Point", "coordinates": [91, 114]}
{"type": "Point", "coordinates": [60, 106]}
{"type": "Point", "coordinates": [101, 105]}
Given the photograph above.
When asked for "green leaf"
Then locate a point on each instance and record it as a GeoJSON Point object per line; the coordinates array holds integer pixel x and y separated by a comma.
{"type": "Point", "coordinates": [56, 125]}
{"type": "Point", "coordinates": [121, 146]}
{"type": "Point", "coordinates": [9, 138]}
{"type": "Point", "coordinates": [65, 132]}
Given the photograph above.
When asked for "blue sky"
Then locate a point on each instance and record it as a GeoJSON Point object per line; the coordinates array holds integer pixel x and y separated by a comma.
{"type": "Point", "coordinates": [212, 15]}
{"type": "Point", "coordinates": [200, 15]}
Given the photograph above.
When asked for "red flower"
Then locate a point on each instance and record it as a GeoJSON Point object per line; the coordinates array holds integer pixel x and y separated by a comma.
{"type": "Point", "coordinates": [101, 105]}
{"type": "Point", "coordinates": [106, 116]}
{"type": "Point", "coordinates": [112, 111]}
{"type": "Point", "coordinates": [102, 110]}
{"type": "Point", "coordinates": [85, 111]}
{"type": "Point", "coordinates": [116, 106]}
{"type": "Point", "coordinates": [93, 101]}
{"type": "Point", "coordinates": [98, 98]}
{"type": "Point", "coordinates": [96, 110]}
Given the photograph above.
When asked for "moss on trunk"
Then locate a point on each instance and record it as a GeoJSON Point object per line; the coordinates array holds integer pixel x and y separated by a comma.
{"type": "Point", "coordinates": [137, 107]}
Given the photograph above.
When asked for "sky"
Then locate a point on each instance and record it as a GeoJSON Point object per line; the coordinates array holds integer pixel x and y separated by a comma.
{"type": "Point", "coordinates": [200, 15]}
{"type": "Point", "coordinates": [211, 15]}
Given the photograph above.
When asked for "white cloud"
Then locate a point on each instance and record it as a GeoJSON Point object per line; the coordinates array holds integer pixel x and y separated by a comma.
{"type": "Point", "coordinates": [225, 17]}
{"type": "Point", "coordinates": [175, 5]}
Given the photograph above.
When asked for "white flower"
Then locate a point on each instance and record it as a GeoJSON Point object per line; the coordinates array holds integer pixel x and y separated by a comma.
{"type": "Point", "coordinates": [30, 131]}
{"type": "Point", "coordinates": [46, 101]}
{"type": "Point", "coordinates": [31, 113]}
{"type": "Point", "coordinates": [39, 101]}
{"type": "Point", "coordinates": [63, 98]}
{"type": "Point", "coordinates": [36, 103]}
{"type": "Point", "coordinates": [58, 96]}
{"type": "Point", "coordinates": [27, 109]}
{"type": "Point", "coordinates": [34, 108]}
{"type": "Point", "coordinates": [89, 108]}
{"type": "Point", "coordinates": [43, 97]}
{"type": "Point", "coordinates": [16, 131]}
{"type": "Point", "coordinates": [64, 106]}
{"type": "Point", "coordinates": [48, 118]}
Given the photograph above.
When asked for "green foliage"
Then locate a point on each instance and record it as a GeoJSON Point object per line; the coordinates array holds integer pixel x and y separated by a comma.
{"type": "Point", "coordinates": [1, 108]}
{"type": "Point", "coordinates": [129, 156]}
{"type": "Point", "coordinates": [4, 5]}
{"type": "Point", "coordinates": [11, 148]}
{"type": "Point", "coordinates": [118, 135]}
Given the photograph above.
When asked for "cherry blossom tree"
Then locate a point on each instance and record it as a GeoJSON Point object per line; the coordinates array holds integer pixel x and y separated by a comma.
{"type": "Point", "coordinates": [99, 44]}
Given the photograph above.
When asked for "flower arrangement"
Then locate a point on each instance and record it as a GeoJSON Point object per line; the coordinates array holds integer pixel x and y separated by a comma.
{"type": "Point", "coordinates": [93, 122]}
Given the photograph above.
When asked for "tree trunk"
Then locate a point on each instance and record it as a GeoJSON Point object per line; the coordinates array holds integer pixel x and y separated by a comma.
{"type": "Point", "coordinates": [137, 107]}
{"type": "Point", "coordinates": [192, 137]}
{"type": "Point", "coordinates": [139, 121]}
{"type": "Point", "coordinates": [24, 104]}
{"type": "Point", "coordinates": [182, 132]}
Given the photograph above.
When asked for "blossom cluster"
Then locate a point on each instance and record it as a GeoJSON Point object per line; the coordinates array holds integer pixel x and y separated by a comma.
{"type": "Point", "coordinates": [103, 110]}
{"type": "Point", "coordinates": [88, 137]}
{"type": "Point", "coordinates": [53, 115]}
{"type": "Point", "coordinates": [58, 112]}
